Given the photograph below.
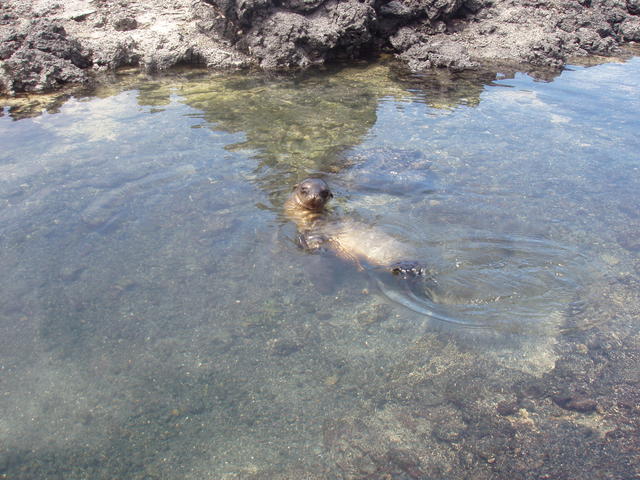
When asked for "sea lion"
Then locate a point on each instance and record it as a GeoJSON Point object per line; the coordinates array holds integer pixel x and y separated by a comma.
{"type": "Point", "coordinates": [354, 241]}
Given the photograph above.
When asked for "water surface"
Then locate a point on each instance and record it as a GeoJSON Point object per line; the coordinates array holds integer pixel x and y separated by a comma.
{"type": "Point", "coordinates": [159, 321]}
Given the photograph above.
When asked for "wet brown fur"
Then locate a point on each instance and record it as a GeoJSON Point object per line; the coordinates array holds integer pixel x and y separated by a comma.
{"type": "Point", "coordinates": [350, 240]}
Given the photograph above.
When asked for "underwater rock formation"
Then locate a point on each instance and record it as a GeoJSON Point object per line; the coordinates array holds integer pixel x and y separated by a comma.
{"type": "Point", "coordinates": [45, 44]}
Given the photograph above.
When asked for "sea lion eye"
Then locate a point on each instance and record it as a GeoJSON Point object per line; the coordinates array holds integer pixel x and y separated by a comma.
{"type": "Point", "coordinates": [325, 194]}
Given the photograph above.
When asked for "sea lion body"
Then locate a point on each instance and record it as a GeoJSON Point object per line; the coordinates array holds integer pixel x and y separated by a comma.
{"type": "Point", "coordinates": [361, 243]}
{"type": "Point", "coordinates": [348, 239]}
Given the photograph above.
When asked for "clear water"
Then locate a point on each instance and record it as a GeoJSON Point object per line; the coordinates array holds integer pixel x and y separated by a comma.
{"type": "Point", "coordinates": [157, 320]}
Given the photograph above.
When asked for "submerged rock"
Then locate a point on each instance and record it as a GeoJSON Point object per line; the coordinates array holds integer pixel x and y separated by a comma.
{"type": "Point", "coordinates": [576, 403]}
{"type": "Point", "coordinates": [387, 170]}
{"type": "Point", "coordinates": [42, 48]}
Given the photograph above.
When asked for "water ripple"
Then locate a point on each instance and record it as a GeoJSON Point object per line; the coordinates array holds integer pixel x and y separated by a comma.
{"type": "Point", "coordinates": [506, 282]}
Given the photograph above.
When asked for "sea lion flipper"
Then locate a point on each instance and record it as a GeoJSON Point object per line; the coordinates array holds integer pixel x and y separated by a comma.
{"type": "Point", "coordinates": [408, 268]}
{"type": "Point", "coordinates": [311, 241]}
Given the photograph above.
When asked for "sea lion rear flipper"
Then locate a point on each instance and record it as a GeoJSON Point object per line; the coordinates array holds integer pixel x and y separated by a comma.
{"type": "Point", "coordinates": [407, 269]}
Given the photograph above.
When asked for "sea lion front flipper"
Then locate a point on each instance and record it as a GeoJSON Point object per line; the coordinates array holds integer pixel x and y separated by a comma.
{"type": "Point", "coordinates": [312, 242]}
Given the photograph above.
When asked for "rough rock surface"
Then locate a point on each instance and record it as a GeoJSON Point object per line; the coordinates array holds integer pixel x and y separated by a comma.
{"type": "Point", "coordinates": [45, 44]}
{"type": "Point", "coordinates": [42, 57]}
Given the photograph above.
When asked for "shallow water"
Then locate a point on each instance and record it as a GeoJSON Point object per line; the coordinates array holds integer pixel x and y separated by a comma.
{"type": "Point", "coordinates": [158, 320]}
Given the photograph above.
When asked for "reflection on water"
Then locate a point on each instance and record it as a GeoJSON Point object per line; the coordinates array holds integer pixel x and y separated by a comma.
{"type": "Point", "coordinates": [158, 321]}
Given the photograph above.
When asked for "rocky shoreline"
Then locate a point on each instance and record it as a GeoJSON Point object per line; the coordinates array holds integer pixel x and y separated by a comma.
{"type": "Point", "coordinates": [45, 45]}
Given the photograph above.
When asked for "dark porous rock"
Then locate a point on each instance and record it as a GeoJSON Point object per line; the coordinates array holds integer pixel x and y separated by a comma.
{"type": "Point", "coordinates": [404, 38]}
{"type": "Point", "coordinates": [575, 402]}
{"type": "Point", "coordinates": [233, 19]}
{"type": "Point", "coordinates": [124, 24]}
{"type": "Point", "coordinates": [507, 408]}
{"type": "Point", "coordinates": [117, 53]}
{"type": "Point", "coordinates": [42, 58]}
{"type": "Point", "coordinates": [398, 9]}
{"type": "Point", "coordinates": [630, 29]}
{"type": "Point", "coordinates": [538, 33]}
{"type": "Point", "coordinates": [440, 54]}
{"type": "Point", "coordinates": [302, 33]}
{"type": "Point", "coordinates": [52, 38]}
{"type": "Point", "coordinates": [474, 6]}
{"type": "Point", "coordinates": [291, 39]}
{"type": "Point", "coordinates": [10, 44]}
{"type": "Point", "coordinates": [44, 46]}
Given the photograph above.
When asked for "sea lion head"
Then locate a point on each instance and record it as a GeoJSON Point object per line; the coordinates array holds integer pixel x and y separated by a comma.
{"type": "Point", "coordinates": [312, 194]}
